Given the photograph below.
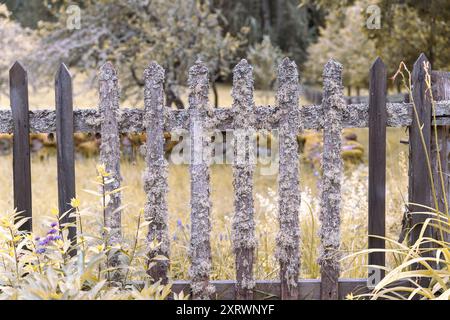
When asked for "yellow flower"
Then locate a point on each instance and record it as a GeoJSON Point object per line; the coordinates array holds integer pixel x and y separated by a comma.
{"type": "Point", "coordinates": [102, 170]}
{"type": "Point", "coordinates": [75, 203]}
{"type": "Point", "coordinates": [54, 212]}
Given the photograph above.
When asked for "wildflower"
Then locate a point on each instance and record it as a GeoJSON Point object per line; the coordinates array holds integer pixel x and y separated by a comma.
{"type": "Point", "coordinates": [43, 242]}
{"type": "Point", "coordinates": [175, 238]}
{"type": "Point", "coordinates": [37, 238]}
{"type": "Point", "coordinates": [54, 212]}
{"type": "Point", "coordinates": [102, 170]}
{"type": "Point", "coordinates": [57, 237]}
{"type": "Point", "coordinates": [54, 224]}
{"type": "Point", "coordinates": [40, 250]}
{"type": "Point", "coordinates": [52, 231]}
{"type": "Point", "coordinates": [179, 223]}
{"type": "Point", "coordinates": [50, 238]}
{"type": "Point", "coordinates": [75, 203]}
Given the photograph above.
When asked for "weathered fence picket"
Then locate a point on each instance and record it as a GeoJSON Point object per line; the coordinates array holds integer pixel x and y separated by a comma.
{"type": "Point", "coordinates": [419, 192]}
{"type": "Point", "coordinates": [200, 247]}
{"type": "Point", "coordinates": [288, 185]}
{"type": "Point", "coordinates": [155, 177]}
{"type": "Point", "coordinates": [331, 180]}
{"type": "Point", "coordinates": [244, 241]}
{"type": "Point", "coordinates": [18, 82]}
{"type": "Point", "coordinates": [65, 147]}
{"type": "Point", "coordinates": [244, 118]}
{"type": "Point", "coordinates": [377, 166]}
{"type": "Point", "coordinates": [440, 145]}
{"type": "Point", "coordinates": [110, 157]}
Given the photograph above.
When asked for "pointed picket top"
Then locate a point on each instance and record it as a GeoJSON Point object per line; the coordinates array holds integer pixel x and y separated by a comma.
{"type": "Point", "coordinates": [333, 69]}
{"type": "Point", "coordinates": [17, 73]}
{"type": "Point", "coordinates": [107, 72]}
{"type": "Point", "coordinates": [242, 91]}
{"type": "Point", "coordinates": [198, 85]}
{"type": "Point", "coordinates": [419, 67]}
{"type": "Point", "coordinates": [287, 72]}
{"type": "Point", "coordinates": [288, 89]}
{"type": "Point", "coordinates": [63, 71]}
{"type": "Point", "coordinates": [154, 74]}
{"type": "Point", "coordinates": [378, 64]}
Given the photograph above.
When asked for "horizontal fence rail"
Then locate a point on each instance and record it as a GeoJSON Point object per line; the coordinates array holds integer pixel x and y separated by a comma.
{"type": "Point", "coordinates": [266, 117]}
{"type": "Point", "coordinates": [243, 118]}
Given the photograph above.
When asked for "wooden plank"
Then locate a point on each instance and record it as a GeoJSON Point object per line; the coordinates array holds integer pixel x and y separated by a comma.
{"type": "Point", "coordinates": [288, 239]}
{"type": "Point", "coordinates": [200, 247]}
{"type": "Point", "coordinates": [377, 167]}
{"type": "Point", "coordinates": [333, 103]}
{"type": "Point", "coordinates": [309, 289]}
{"type": "Point", "coordinates": [440, 147]}
{"type": "Point", "coordinates": [110, 158]}
{"type": "Point", "coordinates": [244, 241]}
{"type": "Point", "coordinates": [155, 177]}
{"type": "Point", "coordinates": [267, 117]}
{"type": "Point", "coordinates": [65, 147]}
{"type": "Point", "coordinates": [419, 180]}
{"type": "Point", "coordinates": [18, 82]}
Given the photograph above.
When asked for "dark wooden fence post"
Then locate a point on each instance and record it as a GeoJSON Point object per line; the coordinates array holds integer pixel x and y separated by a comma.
{"type": "Point", "coordinates": [332, 104]}
{"type": "Point", "coordinates": [441, 91]}
{"type": "Point", "coordinates": [155, 177]}
{"type": "Point", "coordinates": [200, 247]}
{"type": "Point", "coordinates": [244, 241]}
{"type": "Point", "coordinates": [377, 166]}
{"type": "Point", "coordinates": [18, 82]}
{"type": "Point", "coordinates": [288, 238]}
{"type": "Point", "coordinates": [419, 192]}
{"type": "Point", "coordinates": [65, 147]}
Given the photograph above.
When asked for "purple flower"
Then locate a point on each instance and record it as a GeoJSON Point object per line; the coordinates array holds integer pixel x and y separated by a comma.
{"type": "Point", "coordinates": [179, 223]}
{"type": "Point", "coordinates": [54, 224]}
{"type": "Point", "coordinates": [57, 238]}
{"type": "Point", "coordinates": [37, 239]}
{"type": "Point", "coordinates": [175, 238]}
{"type": "Point", "coordinates": [52, 231]}
{"type": "Point", "coordinates": [50, 238]}
{"type": "Point", "coordinates": [40, 250]}
{"type": "Point", "coordinates": [43, 242]}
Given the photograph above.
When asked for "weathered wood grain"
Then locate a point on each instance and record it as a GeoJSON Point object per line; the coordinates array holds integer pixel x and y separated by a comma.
{"type": "Point", "coordinates": [110, 158]}
{"type": "Point", "coordinates": [333, 103]}
{"type": "Point", "coordinates": [288, 239]}
{"type": "Point", "coordinates": [309, 289]}
{"type": "Point", "coordinates": [243, 228]}
{"type": "Point", "coordinates": [200, 247]}
{"type": "Point", "coordinates": [18, 84]}
{"type": "Point", "coordinates": [155, 176]}
{"type": "Point", "coordinates": [419, 191]}
{"type": "Point", "coordinates": [65, 147]}
{"type": "Point", "coordinates": [266, 117]}
{"type": "Point", "coordinates": [377, 165]}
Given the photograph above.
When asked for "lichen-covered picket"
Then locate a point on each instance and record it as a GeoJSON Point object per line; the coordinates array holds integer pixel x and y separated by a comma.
{"type": "Point", "coordinates": [200, 247]}
{"type": "Point", "coordinates": [110, 156]}
{"type": "Point", "coordinates": [332, 104]}
{"type": "Point", "coordinates": [244, 240]}
{"type": "Point", "coordinates": [155, 176]}
{"type": "Point", "coordinates": [287, 250]}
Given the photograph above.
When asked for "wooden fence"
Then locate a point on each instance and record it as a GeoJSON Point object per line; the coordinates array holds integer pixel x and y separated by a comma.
{"type": "Point", "coordinates": [331, 116]}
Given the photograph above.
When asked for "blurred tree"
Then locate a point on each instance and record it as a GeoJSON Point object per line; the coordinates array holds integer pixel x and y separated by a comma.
{"type": "Point", "coordinates": [290, 27]}
{"type": "Point", "coordinates": [131, 34]}
{"type": "Point", "coordinates": [344, 40]}
{"type": "Point", "coordinates": [16, 43]}
{"type": "Point", "coordinates": [264, 57]}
